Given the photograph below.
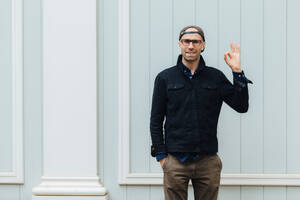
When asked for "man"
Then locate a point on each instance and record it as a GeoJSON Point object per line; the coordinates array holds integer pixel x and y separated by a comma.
{"type": "Point", "coordinates": [189, 98]}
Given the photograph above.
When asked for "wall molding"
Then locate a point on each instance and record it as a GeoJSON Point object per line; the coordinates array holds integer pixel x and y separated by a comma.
{"type": "Point", "coordinates": [16, 176]}
{"type": "Point", "coordinates": [70, 186]}
{"type": "Point", "coordinates": [226, 179]}
{"type": "Point", "coordinates": [128, 178]}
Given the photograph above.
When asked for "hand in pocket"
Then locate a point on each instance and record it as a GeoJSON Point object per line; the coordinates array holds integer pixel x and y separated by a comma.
{"type": "Point", "coordinates": [162, 161]}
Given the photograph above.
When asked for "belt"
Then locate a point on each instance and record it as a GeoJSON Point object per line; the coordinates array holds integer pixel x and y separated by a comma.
{"type": "Point", "coordinates": [195, 156]}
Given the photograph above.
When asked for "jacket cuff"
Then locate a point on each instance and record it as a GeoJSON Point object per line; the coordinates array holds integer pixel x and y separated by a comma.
{"type": "Point", "coordinates": [161, 156]}
{"type": "Point", "coordinates": [158, 149]}
{"type": "Point", "coordinates": [240, 79]}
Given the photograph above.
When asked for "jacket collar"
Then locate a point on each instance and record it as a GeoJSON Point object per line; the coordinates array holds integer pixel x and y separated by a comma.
{"type": "Point", "coordinates": [200, 67]}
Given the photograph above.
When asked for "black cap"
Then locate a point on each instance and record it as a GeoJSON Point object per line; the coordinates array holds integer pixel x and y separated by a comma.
{"type": "Point", "coordinates": [199, 31]}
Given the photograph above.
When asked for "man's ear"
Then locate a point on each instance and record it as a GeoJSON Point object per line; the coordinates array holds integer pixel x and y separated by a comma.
{"type": "Point", "coordinates": [203, 46]}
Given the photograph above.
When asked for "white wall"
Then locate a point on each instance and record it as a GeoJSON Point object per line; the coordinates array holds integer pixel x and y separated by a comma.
{"type": "Point", "coordinates": [260, 144]}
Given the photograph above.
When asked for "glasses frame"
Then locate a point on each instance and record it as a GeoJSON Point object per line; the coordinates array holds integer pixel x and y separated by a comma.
{"type": "Point", "coordinates": [191, 41]}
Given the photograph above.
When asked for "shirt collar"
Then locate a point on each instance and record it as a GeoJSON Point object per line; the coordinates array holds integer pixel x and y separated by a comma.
{"type": "Point", "coordinates": [186, 70]}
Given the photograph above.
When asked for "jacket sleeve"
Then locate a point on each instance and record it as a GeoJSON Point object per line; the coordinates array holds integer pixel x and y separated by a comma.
{"type": "Point", "coordinates": [235, 95]}
{"type": "Point", "coordinates": [158, 112]}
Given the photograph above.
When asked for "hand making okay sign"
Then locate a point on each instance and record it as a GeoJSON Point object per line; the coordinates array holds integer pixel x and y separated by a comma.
{"type": "Point", "coordinates": [234, 61]}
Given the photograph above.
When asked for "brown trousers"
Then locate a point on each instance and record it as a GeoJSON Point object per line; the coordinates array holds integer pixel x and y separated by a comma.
{"type": "Point", "coordinates": [203, 172]}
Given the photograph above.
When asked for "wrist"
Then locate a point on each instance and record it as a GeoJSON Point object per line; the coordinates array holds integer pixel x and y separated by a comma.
{"type": "Point", "coordinates": [237, 70]}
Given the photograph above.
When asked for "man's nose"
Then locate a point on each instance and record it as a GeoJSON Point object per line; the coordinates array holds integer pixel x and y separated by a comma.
{"type": "Point", "coordinates": [191, 45]}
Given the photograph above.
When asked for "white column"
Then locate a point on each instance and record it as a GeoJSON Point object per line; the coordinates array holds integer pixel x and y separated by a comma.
{"type": "Point", "coordinates": [69, 102]}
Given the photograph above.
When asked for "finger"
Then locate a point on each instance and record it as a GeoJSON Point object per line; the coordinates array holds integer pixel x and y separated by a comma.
{"type": "Point", "coordinates": [231, 46]}
{"type": "Point", "coordinates": [225, 58]}
{"type": "Point", "coordinates": [238, 49]}
{"type": "Point", "coordinates": [234, 47]}
{"type": "Point", "coordinates": [229, 54]}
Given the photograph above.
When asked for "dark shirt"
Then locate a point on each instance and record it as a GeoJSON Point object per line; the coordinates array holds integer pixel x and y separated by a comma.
{"type": "Point", "coordinates": [240, 79]}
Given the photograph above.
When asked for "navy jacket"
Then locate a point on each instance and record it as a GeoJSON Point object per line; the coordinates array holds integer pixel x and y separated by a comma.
{"type": "Point", "coordinates": [191, 108]}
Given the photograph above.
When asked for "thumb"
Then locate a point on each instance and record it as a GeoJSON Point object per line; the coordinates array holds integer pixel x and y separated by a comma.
{"type": "Point", "coordinates": [226, 59]}
{"type": "Point", "coordinates": [228, 54]}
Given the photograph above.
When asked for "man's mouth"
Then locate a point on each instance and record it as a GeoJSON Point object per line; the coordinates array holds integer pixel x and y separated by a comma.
{"type": "Point", "coordinates": [190, 53]}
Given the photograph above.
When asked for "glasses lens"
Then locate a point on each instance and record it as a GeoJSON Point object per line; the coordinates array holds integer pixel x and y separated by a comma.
{"type": "Point", "coordinates": [186, 42]}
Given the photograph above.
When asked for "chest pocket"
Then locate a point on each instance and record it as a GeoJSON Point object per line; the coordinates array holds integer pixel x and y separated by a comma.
{"type": "Point", "coordinates": [175, 93]}
{"type": "Point", "coordinates": [176, 86]}
{"type": "Point", "coordinates": [208, 93]}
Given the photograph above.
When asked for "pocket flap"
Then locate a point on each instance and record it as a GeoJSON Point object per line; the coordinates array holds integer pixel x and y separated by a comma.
{"type": "Point", "coordinates": [175, 86]}
{"type": "Point", "coordinates": [209, 87]}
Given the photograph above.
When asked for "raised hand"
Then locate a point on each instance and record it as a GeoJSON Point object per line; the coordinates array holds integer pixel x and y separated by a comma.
{"type": "Point", "coordinates": [234, 61]}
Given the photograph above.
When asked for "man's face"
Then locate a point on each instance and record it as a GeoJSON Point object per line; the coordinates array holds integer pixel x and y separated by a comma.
{"type": "Point", "coordinates": [191, 45]}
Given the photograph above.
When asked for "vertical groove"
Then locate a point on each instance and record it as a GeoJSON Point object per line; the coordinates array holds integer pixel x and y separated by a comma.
{"type": "Point", "coordinates": [42, 3]}
{"type": "Point", "coordinates": [172, 29]}
{"type": "Point", "coordinates": [103, 86]}
{"type": "Point", "coordinates": [241, 64]}
{"type": "Point", "coordinates": [125, 191]}
{"type": "Point", "coordinates": [195, 11]}
{"type": "Point", "coordinates": [286, 84]}
{"type": "Point", "coordinates": [218, 32]}
{"type": "Point", "coordinates": [130, 93]}
{"type": "Point", "coordinates": [240, 191]}
{"type": "Point", "coordinates": [21, 191]}
{"type": "Point", "coordinates": [263, 83]}
{"type": "Point", "coordinates": [149, 73]}
{"type": "Point", "coordinates": [129, 104]}
{"type": "Point", "coordinates": [99, 88]}
{"type": "Point", "coordinates": [263, 197]}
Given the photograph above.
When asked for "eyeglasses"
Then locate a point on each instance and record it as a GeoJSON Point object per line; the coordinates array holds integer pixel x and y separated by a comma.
{"type": "Point", "coordinates": [186, 42]}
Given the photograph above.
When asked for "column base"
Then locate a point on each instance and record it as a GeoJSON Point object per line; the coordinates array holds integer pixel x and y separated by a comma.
{"type": "Point", "coordinates": [70, 197]}
{"type": "Point", "coordinates": [63, 188]}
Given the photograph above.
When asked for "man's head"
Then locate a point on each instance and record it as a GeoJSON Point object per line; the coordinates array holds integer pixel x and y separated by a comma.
{"type": "Point", "coordinates": [191, 43]}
